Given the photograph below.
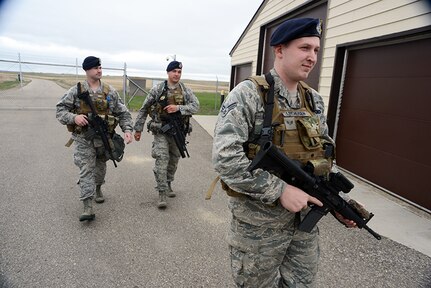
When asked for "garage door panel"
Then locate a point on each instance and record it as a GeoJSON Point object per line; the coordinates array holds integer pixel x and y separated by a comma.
{"type": "Point", "coordinates": [374, 62]}
{"type": "Point", "coordinates": [390, 170]}
{"type": "Point", "coordinates": [384, 127]}
{"type": "Point", "coordinates": [399, 136]}
{"type": "Point", "coordinates": [388, 95]}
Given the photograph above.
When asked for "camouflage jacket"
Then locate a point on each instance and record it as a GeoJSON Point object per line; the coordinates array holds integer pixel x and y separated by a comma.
{"type": "Point", "coordinates": [191, 103]}
{"type": "Point", "coordinates": [70, 103]}
{"type": "Point", "coordinates": [241, 117]}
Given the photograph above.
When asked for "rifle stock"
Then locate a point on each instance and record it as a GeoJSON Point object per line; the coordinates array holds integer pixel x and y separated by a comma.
{"type": "Point", "coordinates": [271, 159]}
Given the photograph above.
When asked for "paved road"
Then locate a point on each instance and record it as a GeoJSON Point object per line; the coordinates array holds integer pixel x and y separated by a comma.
{"type": "Point", "coordinates": [132, 243]}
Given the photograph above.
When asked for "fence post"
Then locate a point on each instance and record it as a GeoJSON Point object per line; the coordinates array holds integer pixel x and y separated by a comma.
{"type": "Point", "coordinates": [222, 95]}
{"type": "Point", "coordinates": [124, 82]}
{"type": "Point", "coordinates": [76, 69]}
{"type": "Point", "coordinates": [216, 93]}
{"type": "Point", "coordinates": [20, 70]}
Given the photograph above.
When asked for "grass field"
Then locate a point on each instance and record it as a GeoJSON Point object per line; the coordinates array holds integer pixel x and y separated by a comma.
{"type": "Point", "coordinates": [9, 80]}
{"type": "Point", "coordinates": [205, 90]}
{"type": "Point", "coordinates": [209, 103]}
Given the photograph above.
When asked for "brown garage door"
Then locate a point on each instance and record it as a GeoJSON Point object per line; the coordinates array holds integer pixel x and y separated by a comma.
{"type": "Point", "coordinates": [384, 130]}
{"type": "Point", "coordinates": [239, 73]}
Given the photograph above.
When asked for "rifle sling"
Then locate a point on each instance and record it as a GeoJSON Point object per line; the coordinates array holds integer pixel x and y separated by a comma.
{"type": "Point", "coordinates": [266, 133]}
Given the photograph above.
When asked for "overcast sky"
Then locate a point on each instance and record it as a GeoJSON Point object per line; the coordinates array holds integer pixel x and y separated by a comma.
{"type": "Point", "coordinates": [140, 33]}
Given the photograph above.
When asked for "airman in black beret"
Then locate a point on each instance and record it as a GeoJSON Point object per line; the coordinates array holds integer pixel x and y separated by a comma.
{"type": "Point", "coordinates": [265, 208]}
{"type": "Point", "coordinates": [170, 99]}
{"type": "Point", "coordinates": [296, 28]}
{"type": "Point", "coordinates": [174, 65]}
{"type": "Point", "coordinates": [91, 62]}
{"type": "Point", "coordinates": [90, 154]}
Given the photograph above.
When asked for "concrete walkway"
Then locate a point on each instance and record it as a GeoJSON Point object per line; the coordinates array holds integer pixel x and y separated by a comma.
{"type": "Point", "coordinates": [393, 218]}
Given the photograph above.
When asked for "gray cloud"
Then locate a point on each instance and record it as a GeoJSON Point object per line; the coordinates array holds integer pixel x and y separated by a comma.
{"type": "Point", "coordinates": [141, 33]}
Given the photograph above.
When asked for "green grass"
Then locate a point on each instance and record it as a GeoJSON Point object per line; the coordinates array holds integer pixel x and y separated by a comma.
{"type": "Point", "coordinates": [209, 103]}
{"type": "Point", "coordinates": [8, 84]}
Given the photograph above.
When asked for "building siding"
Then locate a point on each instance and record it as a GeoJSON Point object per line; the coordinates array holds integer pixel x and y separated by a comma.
{"type": "Point", "coordinates": [347, 21]}
{"type": "Point", "coordinates": [355, 20]}
{"type": "Point", "coordinates": [247, 49]}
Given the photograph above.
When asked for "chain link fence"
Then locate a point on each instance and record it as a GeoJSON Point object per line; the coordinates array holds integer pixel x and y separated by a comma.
{"type": "Point", "coordinates": [19, 70]}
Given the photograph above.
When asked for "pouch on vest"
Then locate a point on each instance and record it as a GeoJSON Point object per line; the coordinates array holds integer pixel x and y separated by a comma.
{"type": "Point", "coordinates": [71, 127]}
{"type": "Point", "coordinates": [308, 130]}
{"type": "Point", "coordinates": [224, 186]}
{"type": "Point", "coordinates": [229, 191]}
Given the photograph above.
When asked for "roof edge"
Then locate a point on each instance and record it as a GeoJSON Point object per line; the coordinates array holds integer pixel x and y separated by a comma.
{"type": "Point", "coordinates": [248, 26]}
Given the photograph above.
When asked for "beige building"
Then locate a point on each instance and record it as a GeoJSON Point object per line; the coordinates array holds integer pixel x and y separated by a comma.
{"type": "Point", "coordinates": [373, 71]}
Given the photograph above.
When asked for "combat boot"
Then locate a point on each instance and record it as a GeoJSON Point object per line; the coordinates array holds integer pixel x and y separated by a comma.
{"type": "Point", "coordinates": [171, 193]}
{"type": "Point", "coordinates": [99, 194]}
{"type": "Point", "coordinates": [162, 200]}
{"type": "Point", "coordinates": [88, 210]}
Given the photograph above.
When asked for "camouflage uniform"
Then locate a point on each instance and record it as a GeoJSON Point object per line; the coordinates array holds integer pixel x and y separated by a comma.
{"type": "Point", "coordinates": [266, 248]}
{"type": "Point", "coordinates": [92, 170]}
{"type": "Point", "coordinates": [164, 149]}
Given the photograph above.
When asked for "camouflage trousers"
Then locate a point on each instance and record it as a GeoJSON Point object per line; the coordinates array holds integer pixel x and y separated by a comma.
{"type": "Point", "coordinates": [167, 156]}
{"type": "Point", "coordinates": [92, 171]}
{"type": "Point", "coordinates": [267, 250]}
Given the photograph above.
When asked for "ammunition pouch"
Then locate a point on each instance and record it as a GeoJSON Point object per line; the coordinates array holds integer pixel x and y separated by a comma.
{"type": "Point", "coordinates": [229, 191]}
{"type": "Point", "coordinates": [71, 127]}
{"type": "Point", "coordinates": [232, 193]}
{"type": "Point", "coordinates": [308, 130]}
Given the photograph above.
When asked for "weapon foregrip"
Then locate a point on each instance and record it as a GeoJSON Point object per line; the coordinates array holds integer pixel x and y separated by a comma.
{"type": "Point", "coordinates": [270, 158]}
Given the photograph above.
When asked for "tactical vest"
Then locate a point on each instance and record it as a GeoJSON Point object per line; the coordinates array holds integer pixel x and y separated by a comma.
{"type": "Point", "coordinates": [174, 97]}
{"type": "Point", "coordinates": [296, 131]}
{"type": "Point", "coordinates": [101, 103]}
{"type": "Point", "coordinates": [158, 114]}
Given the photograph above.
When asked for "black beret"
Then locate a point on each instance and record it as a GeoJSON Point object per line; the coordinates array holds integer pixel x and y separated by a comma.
{"type": "Point", "coordinates": [296, 28]}
{"type": "Point", "coordinates": [174, 65]}
{"type": "Point", "coordinates": [90, 62]}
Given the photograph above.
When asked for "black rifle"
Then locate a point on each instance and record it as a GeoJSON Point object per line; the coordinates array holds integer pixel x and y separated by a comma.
{"type": "Point", "coordinates": [100, 126]}
{"type": "Point", "coordinates": [174, 125]}
{"type": "Point", "coordinates": [273, 160]}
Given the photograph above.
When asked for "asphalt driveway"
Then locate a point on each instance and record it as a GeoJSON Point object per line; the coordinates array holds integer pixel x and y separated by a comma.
{"type": "Point", "coordinates": [131, 243]}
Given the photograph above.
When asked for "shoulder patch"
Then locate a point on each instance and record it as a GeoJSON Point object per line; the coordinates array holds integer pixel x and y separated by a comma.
{"type": "Point", "coordinates": [226, 109]}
